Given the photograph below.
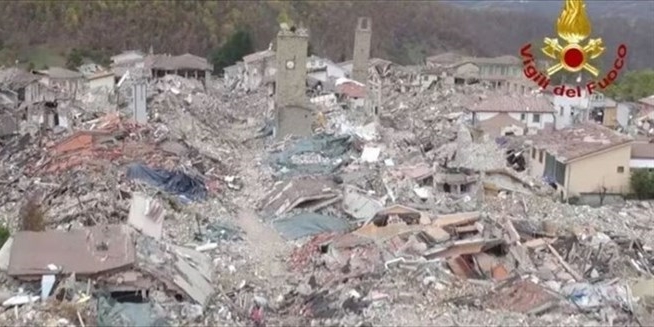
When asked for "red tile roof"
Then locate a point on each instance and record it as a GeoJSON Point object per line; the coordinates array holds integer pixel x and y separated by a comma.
{"type": "Point", "coordinates": [351, 90]}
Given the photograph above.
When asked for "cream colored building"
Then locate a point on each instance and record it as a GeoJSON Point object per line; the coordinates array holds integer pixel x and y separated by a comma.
{"type": "Point", "coordinates": [585, 159]}
{"type": "Point", "coordinates": [513, 114]}
{"type": "Point", "coordinates": [103, 79]}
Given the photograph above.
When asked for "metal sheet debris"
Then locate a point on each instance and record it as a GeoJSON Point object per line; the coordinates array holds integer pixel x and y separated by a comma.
{"type": "Point", "coordinates": [146, 215]}
{"type": "Point", "coordinates": [85, 252]}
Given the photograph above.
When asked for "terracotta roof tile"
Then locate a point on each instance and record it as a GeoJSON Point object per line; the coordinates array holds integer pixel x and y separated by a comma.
{"type": "Point", "coordinates": [579, 140]}
{"type": "Point", "coordinates": [351, 90]}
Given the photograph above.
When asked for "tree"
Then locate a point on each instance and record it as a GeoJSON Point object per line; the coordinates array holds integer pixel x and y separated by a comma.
{"type": "Point", "coordinates": [642, 184]}
{"type": "Point", "coordinates": [74, 59]}
{"type": "Point", "coordinates": [238, 45]}
{"type": "Point", "coordinates": [602, 194]}
{"type": "Point", "coordinates": [632, 86]}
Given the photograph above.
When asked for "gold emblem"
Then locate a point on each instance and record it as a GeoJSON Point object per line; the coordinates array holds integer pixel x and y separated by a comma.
{"type": "Point", "coordinates": [573, 26]}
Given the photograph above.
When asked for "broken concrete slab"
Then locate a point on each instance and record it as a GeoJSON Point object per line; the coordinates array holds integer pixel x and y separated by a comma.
{"type": "Point", "coordinates": [370, 154]}
{"type": "Point", "coordinates": [418, 172]}
{"type": "Point", "coordinates": [457, 219]}
{"type": "Point", "coordinates": [146, 215]}
{"type": "Point", "coordinates": [183, 271]}
{"type": "Point", "coordinates": [436, 234]}
{"type": "Point", "coordinates": [175, 148]}
{"type": "Point", "coordinates": [358, 205]}
{"type": "Point", "coordinates": [287, 195]}
{"type": "Point", "coordinates": [85, 252]}
{"type": "Point", "coordinates": [307, 224]}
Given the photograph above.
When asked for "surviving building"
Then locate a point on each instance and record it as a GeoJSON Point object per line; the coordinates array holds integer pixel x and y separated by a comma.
{"type": "Point", "coordinates": [585, 159]}
{"type": "Point", "coordinates": [186, 65]}
{"type": "Point", "coordinates": [513, 114]}
{"type": "Point", "coordinates": [293, 114]}
{"type": "Point", "coordinates": [362, 38]}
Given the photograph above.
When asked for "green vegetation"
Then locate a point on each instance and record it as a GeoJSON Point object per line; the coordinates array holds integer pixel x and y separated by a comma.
{"type": "Point", "coordinates": [76, 57]}
{"type": "Point", "coordinates": [634, 85]}
{"type": "Point", "coordinates": [238, 45]}
{"type": "Point", "coordinates": [4, 235]}
{"type": "Point", "coordinates": [401, 33]}
{"type": "Point", "coordinates": [31, 57]}
{"type": "Point", "coordinates": [642, 183]}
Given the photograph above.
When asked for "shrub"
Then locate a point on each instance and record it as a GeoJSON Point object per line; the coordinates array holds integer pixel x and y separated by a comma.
{"type": "Point", "coordinates": [4, 235]}
{"type": "Point", "coordinates": [642, 183]}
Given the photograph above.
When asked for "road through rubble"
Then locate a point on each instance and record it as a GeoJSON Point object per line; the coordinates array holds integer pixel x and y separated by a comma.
{"type": "Point", "coordinates": [266, 246]}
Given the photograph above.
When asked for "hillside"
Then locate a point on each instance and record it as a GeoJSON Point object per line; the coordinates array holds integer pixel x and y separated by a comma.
{"type": "Point", "coordinates": [552, 8]}
{"type": "Point", "coordinates": [402, 32]}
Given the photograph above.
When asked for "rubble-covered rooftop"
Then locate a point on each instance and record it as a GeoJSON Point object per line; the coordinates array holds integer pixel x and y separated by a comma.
{"type": "Point", "coordinates": [580, 140]}
{"type": "Point", "coordinates": [514, 103]}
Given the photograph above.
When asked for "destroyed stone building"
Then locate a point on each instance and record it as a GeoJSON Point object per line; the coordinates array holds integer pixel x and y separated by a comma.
{"type": "Point", "coordinates": [258, 67]}
{"type": "Point", "coordinates": [131, 60]}
{"type": "Point", "coordinates": [22, 86]}
{"type": "Point", "coordinates": [70, 83]}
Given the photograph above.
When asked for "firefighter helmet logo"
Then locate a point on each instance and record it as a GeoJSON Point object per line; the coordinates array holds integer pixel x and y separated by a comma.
{"type": "Point", "coordinates": [573, 27]}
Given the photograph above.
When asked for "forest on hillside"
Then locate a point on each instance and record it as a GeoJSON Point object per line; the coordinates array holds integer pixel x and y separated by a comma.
{"type": "Point", "coordinates": [402, 32]}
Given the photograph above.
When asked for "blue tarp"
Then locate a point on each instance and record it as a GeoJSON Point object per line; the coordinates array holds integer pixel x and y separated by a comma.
{"type": "Point", "coordinates": [307, 224]}
{"type": "Point", "coordinates": [328, 146]}
{"type": "Point", "coordinates": [174, 182]}
{"type": "Point", "coordinates": [111, 313]}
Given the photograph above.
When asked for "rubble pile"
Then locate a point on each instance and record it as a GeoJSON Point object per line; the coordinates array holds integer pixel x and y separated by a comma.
{"type": "Point", "coordinates": [424, 223]}
{"type": "Point", "coordinates": [404, 218]}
